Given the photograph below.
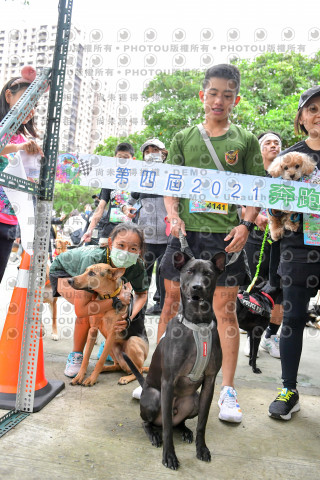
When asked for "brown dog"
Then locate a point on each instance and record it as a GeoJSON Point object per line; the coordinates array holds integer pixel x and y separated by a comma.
{"type": "Point", "coordinates": [105, 281]}
{"type": "Point", "coordinates": [291, 166]}
{"type": "Point", "coordinates": [61, 246]}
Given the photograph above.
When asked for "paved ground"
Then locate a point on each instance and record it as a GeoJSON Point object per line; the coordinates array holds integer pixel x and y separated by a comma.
{"type": "Point", "coordinates": [95, 433]}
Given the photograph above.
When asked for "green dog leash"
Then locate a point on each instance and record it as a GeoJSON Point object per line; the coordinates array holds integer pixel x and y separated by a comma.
{"type": "Point", "coordinates": [260, 259]}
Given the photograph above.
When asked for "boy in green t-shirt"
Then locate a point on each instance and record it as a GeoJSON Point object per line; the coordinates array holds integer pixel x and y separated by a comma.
{"type": "Point", "coordinates": [208, 233]}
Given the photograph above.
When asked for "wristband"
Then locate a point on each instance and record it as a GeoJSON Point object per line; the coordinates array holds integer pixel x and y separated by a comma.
{"type": "Point", "coordinates": [248, 225]}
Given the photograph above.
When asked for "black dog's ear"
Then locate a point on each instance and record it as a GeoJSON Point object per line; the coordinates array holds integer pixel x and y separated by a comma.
{"type": "Point", "coordinates": [219, 261]}
{"type": "Point", "coordinates": [180, 259]}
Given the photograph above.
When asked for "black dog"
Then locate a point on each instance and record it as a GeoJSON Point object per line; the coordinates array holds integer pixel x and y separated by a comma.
{"type": "Point", "coordinates": [254, 312]}
{"type": "Point", "coordinates": [169, 395]}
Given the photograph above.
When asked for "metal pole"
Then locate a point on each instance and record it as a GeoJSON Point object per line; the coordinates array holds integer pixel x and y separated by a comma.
{"type": "Point", "coordinates": [32, 322]}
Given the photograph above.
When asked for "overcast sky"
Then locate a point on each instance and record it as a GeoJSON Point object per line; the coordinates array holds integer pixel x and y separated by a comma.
{"type": "Point", "coordinates": [246, 16]}
{"type": "Point", "coordinates": [144, 38]}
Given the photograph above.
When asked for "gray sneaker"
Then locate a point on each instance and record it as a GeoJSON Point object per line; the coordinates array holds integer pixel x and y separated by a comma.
{"type": "Point", "coordinates": [73, 365]}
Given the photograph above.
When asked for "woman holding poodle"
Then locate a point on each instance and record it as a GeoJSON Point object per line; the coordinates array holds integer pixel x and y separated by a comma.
{"type": "Point", "coordinates": [299, 265]}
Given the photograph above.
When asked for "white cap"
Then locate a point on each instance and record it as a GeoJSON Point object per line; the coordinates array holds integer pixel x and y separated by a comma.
{"type": "Point", "coordinates": [152, 141]}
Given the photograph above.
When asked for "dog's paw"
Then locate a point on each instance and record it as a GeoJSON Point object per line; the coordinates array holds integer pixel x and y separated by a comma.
{"type": "Point", "coordinates": [276, 235]}
{"type": "Point", "coordinates": [156, 439]}
{"type": "Point", "coordinates": [293, 227]}
{"type": "Point", "coordinates": [256, 370]}
{"type": "Point", "coordinates": [123, 381]}
{"type": "Point", "coordinates": [187, 435]}
{"type": "Point", "coordinates": [75, 382]}
{"type": "Point", "coordinates": [170, 460]}
{"type": "Point", "coordinates": [54, 336]}
{"type": "Point", "coordinates": [154, 436]}
{"type": "Point", "coordinates": [78, 379]}
{"type": "Point", "coordinates": [89, 382]}
{"type": "Point", "coordinates": [203, 453]}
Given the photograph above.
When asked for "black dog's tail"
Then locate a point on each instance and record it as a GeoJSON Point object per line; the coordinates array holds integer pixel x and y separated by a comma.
{"type": "Point", "coordinates": [134, 369]}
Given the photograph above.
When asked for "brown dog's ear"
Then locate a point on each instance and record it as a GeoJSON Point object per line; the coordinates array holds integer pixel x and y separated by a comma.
{"type": "Point", "coordinates": [180, 259]}
{"type": "Point", "coordinates": [219, 261]}
{"type": "Point", "coordinates": [308, 164]}
{"type": "Point", "coordinates": [116, 272]}
{"type": "Point", "coordinates": [275, 168]}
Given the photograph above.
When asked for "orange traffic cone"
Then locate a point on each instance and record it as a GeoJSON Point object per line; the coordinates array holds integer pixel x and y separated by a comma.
{"type": "Point", "coordinates": [10, 349]}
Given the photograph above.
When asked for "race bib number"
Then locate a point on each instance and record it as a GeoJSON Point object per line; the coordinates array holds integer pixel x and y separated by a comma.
{"type": "Point", "coordinates": [198, 206]}
{"type": "Point", "coordinates": [311, 229]}
{"type": "Point", "coordinates": [116, 215]}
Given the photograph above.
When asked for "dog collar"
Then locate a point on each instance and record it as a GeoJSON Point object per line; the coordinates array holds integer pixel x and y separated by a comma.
{"type": "Point", "coordinates": [196, 327]}
{"type": "Point", "coordinates": [202, 334]}
{"type": "Point", "coordinates": [111, 295]}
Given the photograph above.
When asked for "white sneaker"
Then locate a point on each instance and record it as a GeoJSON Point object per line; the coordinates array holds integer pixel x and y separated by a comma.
{"type": "Point", "coordinates": [73, 364]}
{"type": "Point", "coordinates": [230, 410]}
{"type": "Point", "coordinates": [246, 348]}
{"type": "Point", "coordinates": [137, 392]}
{"type": "Point", "coordinates": [271, 345]}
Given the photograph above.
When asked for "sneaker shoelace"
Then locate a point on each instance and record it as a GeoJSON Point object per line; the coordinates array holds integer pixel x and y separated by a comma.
{"type": "Point", "coordinates": [284, 395]}
{"type": "Point", "coordinates": [76, 360]}
{"type": "Point", "coordinates": [230, 399]}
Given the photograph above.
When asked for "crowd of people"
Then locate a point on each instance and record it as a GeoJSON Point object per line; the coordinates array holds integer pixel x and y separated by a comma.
{"type": "Point", "coordinates": [129, 230]}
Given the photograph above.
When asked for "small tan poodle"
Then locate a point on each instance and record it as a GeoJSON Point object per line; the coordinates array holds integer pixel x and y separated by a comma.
{"type": "Point", "coordinates": [291, 166]}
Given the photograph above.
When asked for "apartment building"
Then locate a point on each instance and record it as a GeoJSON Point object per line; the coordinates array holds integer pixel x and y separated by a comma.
{"type": "Point", "coordinates": [90, 109]}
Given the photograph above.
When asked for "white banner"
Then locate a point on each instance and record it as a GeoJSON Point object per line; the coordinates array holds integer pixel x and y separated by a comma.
{"type": "Point", "coordinates": [200, 185]}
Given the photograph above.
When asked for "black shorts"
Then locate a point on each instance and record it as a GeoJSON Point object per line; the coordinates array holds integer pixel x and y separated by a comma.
{"type": "Point", "coordinates": [300, 275]}
{"type": "Point", "coordinates": [205, 246]}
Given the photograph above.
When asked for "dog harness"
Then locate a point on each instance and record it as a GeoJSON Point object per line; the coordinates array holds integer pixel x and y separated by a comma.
{"type": "Point", "coordinates": [255, 305]}
{"type": "Point", "coordinates": [202, 334]}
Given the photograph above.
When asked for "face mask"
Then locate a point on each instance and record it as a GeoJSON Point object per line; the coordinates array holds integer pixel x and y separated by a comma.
{"type": "Point", "coordinates": [122, 258]}
{"type": "Point", "coordinates": [154, 157]}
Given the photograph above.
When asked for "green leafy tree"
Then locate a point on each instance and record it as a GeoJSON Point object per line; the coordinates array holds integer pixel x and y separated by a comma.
{"type": "Point", "coordinates": [107, 148]}
{"type": "Point", "coordinates": [270, 88]}
{"type": "Point", "coordinates": [175, 103]}
{"type": "Point", "coordinates": [69, 197]}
